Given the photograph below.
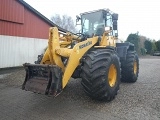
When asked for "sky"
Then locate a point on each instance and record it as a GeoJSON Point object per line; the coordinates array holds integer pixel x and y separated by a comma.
{"type": "Point", "coordinates": [141, 16]}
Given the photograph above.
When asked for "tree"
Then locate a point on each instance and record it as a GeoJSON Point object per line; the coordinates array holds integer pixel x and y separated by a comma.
{"type": "Point", "coordinates": [158, 45]}
{"type": "Point", "coordinates": [154, 47]}
{"type": "Point", "coordinates": [143, 51]}
{"type": "Point", "coordinates": [134, 38]}
{"type": "Point", "coordinates": [64, 21]}
{"type": "Point", "coordinates": [142, 39]}
{"type": "Point", "coordinates": [148, 46]}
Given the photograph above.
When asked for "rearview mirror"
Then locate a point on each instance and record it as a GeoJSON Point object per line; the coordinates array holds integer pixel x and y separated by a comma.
{"type": "Point", "coordinates": [77, 18]}
{"type": "Point", "coordinates": [114, 16]}
{"type": "Point", "coordinates": [114, 25]}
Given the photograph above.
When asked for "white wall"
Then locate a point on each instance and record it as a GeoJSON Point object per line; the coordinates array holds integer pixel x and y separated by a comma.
{"type": "Point", "coordinates": [14, 51]}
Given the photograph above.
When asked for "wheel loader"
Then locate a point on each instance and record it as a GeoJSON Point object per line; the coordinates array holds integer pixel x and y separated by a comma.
{"type": "Point", "coordinates": [92, 55]}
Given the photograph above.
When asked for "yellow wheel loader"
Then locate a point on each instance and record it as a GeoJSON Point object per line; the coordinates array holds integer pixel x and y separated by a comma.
{"type": "Point", "coordinates": [93, 55]}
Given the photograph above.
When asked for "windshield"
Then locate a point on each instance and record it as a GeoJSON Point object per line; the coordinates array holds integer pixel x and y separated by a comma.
{"type": "Point", "coordinates": [91, 21]}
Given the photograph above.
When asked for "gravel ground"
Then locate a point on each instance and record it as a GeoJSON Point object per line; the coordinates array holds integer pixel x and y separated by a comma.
{"type": "Point", "coordinates": [138, 101]}
{"type": "Point", "coordinates": [15, 78]}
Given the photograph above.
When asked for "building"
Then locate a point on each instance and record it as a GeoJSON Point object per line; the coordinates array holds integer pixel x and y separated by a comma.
{"type": "Point", "coordinates": [23, 33]}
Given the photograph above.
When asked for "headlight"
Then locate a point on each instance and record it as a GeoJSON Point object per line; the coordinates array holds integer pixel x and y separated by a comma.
{"type": "Point", "coordinates": [107, 28]}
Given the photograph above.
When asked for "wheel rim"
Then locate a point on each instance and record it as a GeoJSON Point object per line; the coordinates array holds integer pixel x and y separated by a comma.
{"type": "Point", "coordinates": [135, 67]}
{"type": "Point", "coordinates": [112, 75]}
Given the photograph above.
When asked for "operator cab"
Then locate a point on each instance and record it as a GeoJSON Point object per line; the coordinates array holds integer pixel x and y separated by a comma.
{"type": "Point", "coordinates": [95, 23]}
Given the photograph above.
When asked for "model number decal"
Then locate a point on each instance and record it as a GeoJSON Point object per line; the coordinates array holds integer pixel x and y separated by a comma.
{"type": "Point", "coordinates": [85, 44]}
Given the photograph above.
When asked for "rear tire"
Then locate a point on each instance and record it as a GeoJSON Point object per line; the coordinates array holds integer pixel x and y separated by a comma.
{"type": "Point", "coordinates": [101, 74]}
{"type": "Point", "coordinates": [130, 67]}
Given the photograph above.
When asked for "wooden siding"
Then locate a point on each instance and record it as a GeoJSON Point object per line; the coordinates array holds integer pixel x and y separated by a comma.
{"type": "Point", "coordinates": [12, 11]}
{"type": "Point", "coordinates": [22, 24]}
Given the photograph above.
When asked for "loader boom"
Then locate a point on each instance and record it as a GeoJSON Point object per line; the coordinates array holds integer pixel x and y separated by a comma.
{"type": "Point", "coordinates": [52, 60]}
{"type": "Point", "coordinates": [74, 54]}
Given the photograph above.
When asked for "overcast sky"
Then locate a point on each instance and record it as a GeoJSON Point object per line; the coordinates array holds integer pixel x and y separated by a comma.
{"type": "Point", "coordinates": [134, 15]}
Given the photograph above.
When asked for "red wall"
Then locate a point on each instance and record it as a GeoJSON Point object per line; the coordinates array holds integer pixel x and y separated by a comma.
{"type": "Point", "coordinates": [11, 10]}
{"type": "Point", "coordinates": [17, 20]}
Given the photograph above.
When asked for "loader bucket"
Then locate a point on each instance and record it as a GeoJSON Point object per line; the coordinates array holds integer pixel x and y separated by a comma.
{"type": "Point", "coordinates": [43, 79]}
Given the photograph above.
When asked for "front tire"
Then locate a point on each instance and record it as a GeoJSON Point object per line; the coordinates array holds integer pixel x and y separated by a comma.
{"type": "Point", "coordinates": [101, 74]}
